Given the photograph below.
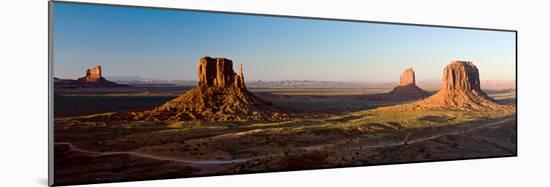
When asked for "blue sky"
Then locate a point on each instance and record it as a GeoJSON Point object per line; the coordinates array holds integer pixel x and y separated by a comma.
{"type": "Point", "coordinates": [167, 44]}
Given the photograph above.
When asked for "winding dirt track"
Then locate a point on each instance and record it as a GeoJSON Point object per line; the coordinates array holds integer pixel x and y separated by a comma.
{"type": "Point", "coordinates": [194, 162]}
{"type": "Point", "coordinates": [405, 141]}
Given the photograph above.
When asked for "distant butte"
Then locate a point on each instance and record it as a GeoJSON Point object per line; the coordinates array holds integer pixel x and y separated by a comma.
{"type": "Point", "coordinates": [93, 78]}
{"type": "Point", "coordinates": [406, 91]}
{"type": "Point", "coordinates": [220, 95]}
{"type": "Point", "coordinates": [93, 75]}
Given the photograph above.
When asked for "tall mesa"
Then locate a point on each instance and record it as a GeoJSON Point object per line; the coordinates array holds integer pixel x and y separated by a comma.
{"type": "Point", "coordinates": [461, 89]}
{"type": "Point", "coordinates": [220, 95]}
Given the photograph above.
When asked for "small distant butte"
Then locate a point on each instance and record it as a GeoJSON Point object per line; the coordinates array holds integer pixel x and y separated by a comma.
{"type": "Point", "coordinates": [93, 78]}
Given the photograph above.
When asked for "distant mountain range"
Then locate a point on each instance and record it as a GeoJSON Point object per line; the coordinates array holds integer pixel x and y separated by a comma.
{"type": "Point", "coordinates": [126, 78]}
{"type": "Point", "coordinates": [142, 80]}
{"type": "Point", "coordinates": [427, 84]}
{"type": "Point", "coordinates": [314, 84]}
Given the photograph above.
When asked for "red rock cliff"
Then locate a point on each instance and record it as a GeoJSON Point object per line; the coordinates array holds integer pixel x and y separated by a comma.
{"type": "Point", "coordinates": [218, 72]}
{"type": "Point", "coordinates": [461, 76]}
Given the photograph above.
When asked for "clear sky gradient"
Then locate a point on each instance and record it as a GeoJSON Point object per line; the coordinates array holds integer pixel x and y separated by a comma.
{"type": "Point", "coordinates": [167, 44]}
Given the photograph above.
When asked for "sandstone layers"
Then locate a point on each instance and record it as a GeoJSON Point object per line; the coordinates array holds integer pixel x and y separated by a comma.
{"type": "Point", "coordinates": [220, 95]}
{"type": "Point", "coordinates": [461, 89]}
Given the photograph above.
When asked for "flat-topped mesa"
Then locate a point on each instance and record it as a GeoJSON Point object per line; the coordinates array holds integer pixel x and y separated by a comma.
{"type": "Point", "coordinates": [218, 72]}
{"type": "Point", "coordinates": [461, 76]}
{"type": "Point", "coordinates": [461, 90]}
{"type": "Point", "coordinates": [407, 77]}
{"type": "Point", "coordinates": [92, 75]}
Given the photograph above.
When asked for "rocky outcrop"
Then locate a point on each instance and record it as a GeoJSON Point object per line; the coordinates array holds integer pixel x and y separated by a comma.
{"type": "Point", "coordinates": [220, 95]}
{"type": "Point", "coordinates": [461, 89]}
{"type": "Point", "coordinates": [406, 91]}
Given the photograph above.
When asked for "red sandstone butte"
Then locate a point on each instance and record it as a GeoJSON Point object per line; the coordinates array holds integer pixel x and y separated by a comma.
{"type": "Point", "coordinates": [461, 89]}
{"type": "Point", "coordinates": [220, 95]}
{"type": "Point", "coordinates": [406, 91]}
{"type": "Point", "coordinates": [93, 75]}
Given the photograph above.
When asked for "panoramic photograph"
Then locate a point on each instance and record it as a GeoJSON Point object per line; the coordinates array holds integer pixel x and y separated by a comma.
{"type": "Point", "coordinates": [145, 93]}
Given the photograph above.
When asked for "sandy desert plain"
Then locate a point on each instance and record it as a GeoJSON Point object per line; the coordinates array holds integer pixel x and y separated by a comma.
{"type": "Point", "coordinates": [222, 126]}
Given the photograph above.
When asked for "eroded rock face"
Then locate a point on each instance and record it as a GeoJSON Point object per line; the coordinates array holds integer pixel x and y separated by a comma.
{"type": "Point", "coordinates": [407, 77]}
{"type": "Point", "coordinates": [461, 90]}
{"type": "Point", "coordinates": [207, 72]}
{"type": "Point", "coordinates": [461, 76]}
{"type": "Point", "coordinates": [92, 75]}
{"type": "Point", "coordinates": [218, 72]}
{"type": "Point", "coordinates": [220, 95]}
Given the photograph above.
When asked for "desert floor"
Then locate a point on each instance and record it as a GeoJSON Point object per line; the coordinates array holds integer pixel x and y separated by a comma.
{"type": "Point", "coordinates": [339, 127]}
